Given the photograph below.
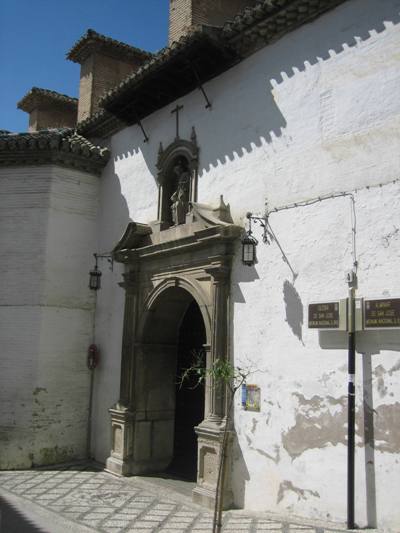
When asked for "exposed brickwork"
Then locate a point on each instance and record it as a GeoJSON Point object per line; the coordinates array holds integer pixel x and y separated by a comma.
{"type": "Point", "coordinates": [186, 13]}
{"type": "Point", "coordinates": [99, 73]}
{"type": "Point", "coordinates": [85, 89]}
{"type": "Point", "coordinates": [104, 62]}
{"type": "Point", "coordinates": [180, 18]}
{"type": "Point", "coordinates": [41, 119]}
{"type": "Point", "coordinates": [49, 109]}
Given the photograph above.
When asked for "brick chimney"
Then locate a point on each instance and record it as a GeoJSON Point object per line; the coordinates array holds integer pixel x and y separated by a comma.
{"type": "Point", "coordinates": [49, 109]}
{"type": "Point", "coordinates": [104, 62]}
{"type": "Point", "coordinates": [183, 14]}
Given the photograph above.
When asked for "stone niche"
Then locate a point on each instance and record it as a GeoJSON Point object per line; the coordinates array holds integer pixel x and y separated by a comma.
{"type": "Point", "coordinates": [168, 266]}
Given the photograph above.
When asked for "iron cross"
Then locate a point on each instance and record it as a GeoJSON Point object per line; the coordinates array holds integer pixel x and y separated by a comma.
{"type": "Point", "coordinates": [176, 110]}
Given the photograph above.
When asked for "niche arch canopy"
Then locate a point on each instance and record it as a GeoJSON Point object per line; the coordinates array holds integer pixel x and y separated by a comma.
{"type": "Point", "coordinates": [186, 154]}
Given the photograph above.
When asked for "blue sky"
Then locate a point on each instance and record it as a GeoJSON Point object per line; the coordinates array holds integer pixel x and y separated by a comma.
{"type": "Point", "coordinates": [35, 35]}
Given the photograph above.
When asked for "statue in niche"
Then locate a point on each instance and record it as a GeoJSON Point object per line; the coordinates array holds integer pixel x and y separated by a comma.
{"type": "Point", "coordinates": [180, 198]}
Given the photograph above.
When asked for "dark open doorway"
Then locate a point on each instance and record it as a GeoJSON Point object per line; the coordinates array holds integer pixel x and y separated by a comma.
{"type": "Point", "coordinates": [189, 406]}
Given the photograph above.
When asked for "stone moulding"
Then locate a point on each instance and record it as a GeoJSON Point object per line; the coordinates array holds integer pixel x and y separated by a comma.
{"type": "Point", "coordinates": [63, 146]}
{"type": "Point", "coordinates": [164, 272]}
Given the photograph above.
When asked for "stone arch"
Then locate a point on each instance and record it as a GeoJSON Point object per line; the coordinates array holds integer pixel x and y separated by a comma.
{"type": "Point", "coordinates": [190, 287]}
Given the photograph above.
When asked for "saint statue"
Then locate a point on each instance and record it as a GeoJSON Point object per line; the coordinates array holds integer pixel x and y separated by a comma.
{"type": "Point", "coordinates": [180, 198]}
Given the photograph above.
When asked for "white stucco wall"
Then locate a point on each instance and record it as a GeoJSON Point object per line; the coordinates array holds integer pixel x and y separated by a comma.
{"type": "Point", "coordinates": [315, 113]}
{"type": "Point", "coordinates": [48, 217]}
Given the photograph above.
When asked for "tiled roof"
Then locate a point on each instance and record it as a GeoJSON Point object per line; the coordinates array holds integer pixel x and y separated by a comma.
{"type": "Point", "coordinates": [202, 45]}
{"type": "Point", "coordinates": [268, 20]}
{"type": "Point", "coordinates": [197, 34]}
{"type": "Point", "coordinates": [92, 40]}
{"type": "Point", "coordinates": [38, 96]}
{"type": "Point", "coordinates": [62, 146]}
{"type": "Point", "coordinates": [100, 124]}
{"type": "Point", "coordinates": [251, 29]}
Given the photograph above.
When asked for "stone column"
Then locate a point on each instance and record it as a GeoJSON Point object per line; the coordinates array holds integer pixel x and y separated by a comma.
{"type": "Point", "coordinates": [122, 420]}
{"type": "Point", "coordinates": [128, 339]}
{"type": "Point", "coordinates": [218, 349]}
{"type": "Point", "coordinates": [210, 432]}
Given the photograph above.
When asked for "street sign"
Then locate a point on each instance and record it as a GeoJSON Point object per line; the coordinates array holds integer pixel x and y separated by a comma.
{"type": "Point", "coordinates": [382, 313]}
{"type": "Point", "coordinates": [327, 315]}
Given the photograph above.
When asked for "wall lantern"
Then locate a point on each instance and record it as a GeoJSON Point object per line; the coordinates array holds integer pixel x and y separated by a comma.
{"type": "Point", "coordinates": [95, 274]}
{"type": "Point", "coordinates": [249, 244]}
{"type": "Point", "coordinates": [95, 279]}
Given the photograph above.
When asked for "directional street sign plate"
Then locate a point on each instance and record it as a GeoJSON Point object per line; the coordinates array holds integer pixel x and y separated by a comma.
{"type": "Point", "coordinates": [382, 313]}
{"type": "Point", "coordinates": [323, 315]}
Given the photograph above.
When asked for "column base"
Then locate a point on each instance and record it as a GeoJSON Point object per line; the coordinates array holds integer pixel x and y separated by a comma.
{"type": "Point", "coordinates": [118, 467]}
{"type": "Point", "coordinates": [204, 496]}
{"type": "Point", "coordinates": [210, 437]}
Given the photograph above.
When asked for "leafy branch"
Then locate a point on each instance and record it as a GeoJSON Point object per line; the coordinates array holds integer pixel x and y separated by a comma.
{"type": "Point", "coordinates": [221, 373]}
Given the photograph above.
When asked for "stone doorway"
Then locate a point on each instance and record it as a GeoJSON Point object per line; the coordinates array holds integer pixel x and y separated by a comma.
{"type": "Point", "coordinates": [168, 413]}
{"type": "Point", "coordinates": [170, 276]}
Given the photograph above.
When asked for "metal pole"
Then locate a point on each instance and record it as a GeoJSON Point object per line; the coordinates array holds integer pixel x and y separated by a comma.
{"type": "Point", "coordinates": [351, 401]}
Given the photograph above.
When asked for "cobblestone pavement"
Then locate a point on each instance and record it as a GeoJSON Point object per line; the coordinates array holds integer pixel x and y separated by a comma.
{"type": "Point", "coordinates": [93, 500]}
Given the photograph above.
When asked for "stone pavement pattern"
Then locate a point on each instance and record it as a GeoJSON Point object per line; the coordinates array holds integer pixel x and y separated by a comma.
{"type": "Point", "coordinates": [102, 502]}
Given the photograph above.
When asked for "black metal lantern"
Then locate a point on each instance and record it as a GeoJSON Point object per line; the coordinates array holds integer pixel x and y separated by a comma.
{"type": "Point", "coordinates": [249, 244]}
{"type": "Point", "coordinates": [95, 277]}
{"type": "Point", "coordinates": [95, 274]}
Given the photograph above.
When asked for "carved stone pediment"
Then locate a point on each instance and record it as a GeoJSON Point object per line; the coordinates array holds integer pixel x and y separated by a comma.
{"type": "Point", "coordinates": [135, 235]}
{"type": "Point", "coordinates": [203, 222]}
{"type": "Point", "coordinates": [210, 215]}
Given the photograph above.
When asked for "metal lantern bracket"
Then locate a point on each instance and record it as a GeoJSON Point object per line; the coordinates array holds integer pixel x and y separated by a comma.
{"type": "Point", "coordinates": [263, 221]}
{"type": "Point", "coordinates": [109, 258]}
{"type": "Point", "coordinates": [268, 236]}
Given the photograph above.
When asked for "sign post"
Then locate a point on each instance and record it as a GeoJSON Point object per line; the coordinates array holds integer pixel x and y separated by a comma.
{"type": "Point", "coordinates": [345, 315]}
{"type": "Point", "coordinates": [351, 395]}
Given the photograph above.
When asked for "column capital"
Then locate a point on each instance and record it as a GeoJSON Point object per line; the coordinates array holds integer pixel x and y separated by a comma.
{"type": "Point", "coordinates": [130, 281]}
{"type": "Point", "coordinates": [219, 273]}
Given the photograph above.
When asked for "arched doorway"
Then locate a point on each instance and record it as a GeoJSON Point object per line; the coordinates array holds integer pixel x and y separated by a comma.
{"type": "Point", "coordinates": [166, 270]}
{"type": "Point", "coordinates": [173, 336]}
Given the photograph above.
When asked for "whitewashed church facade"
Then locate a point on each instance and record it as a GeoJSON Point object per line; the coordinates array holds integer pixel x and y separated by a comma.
{"type": "Point", "coordinates": [290, 109]}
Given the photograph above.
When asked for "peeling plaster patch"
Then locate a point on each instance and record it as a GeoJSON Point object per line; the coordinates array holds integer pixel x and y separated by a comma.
{"type": "Point", "coordinates": [294, 309]}
{"type": "Point", "coordinates": [326, 376]}
{"type": "Point", "coordinates": [38, 390]}
{"type": "Point", "coordinates": [379, 373]}
{"type": "Point", "coordinates": [319, 422]}
{"type": "Point", "coordinates": [54, 455]}
{"type": "Point", "coordinates": [275, 459]}
{"type": "Point", "coordinates": [302, 494]}
{"type": "Point", "coordinates": [395, 368]}
{"type": "Point", "coordinates": [394, 234]}
{"type": "Point", "coordinates": [387, 428]}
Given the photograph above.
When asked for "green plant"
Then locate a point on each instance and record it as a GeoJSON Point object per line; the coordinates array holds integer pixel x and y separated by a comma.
{"type": "Point", "coordinates": [223, 374]}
